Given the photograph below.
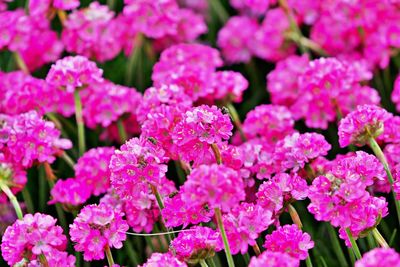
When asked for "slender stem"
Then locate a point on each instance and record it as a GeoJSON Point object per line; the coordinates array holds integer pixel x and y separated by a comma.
{"type": "Point", "coordinates": [12, 199]}
{"type": "Point", "coordinates": [351, 256]}
{"type": "Point", "coordinates": [256, 249]}
{"type": "Point", "coordinates": [68, 160]}
{"type": "Point", "coordinates": [228, 254]}
{"type": "Point", "coordinates": [161, 207]}
{"type": "Point", "coordinates": [379, 154]}
{"type": "Point", "coordinates": [60, 212]}
{"type": "Point", "coordinates": [42, 188]}
{"type": "Point", "coordinates": [211, 262]}
{"type": "Point", "coordinates": [246, 258]}
{"type": "Point", "coordinates": [295, 216]}
{"type": "Point", "coordinates": [79, 122]}
{"type": "Point", "coordinates": [52, 116]}
{"type": "Point", "coordinates": [379, 238]}
{"type": "Point", "coordinates": [219, 10]}
{"type": "Point", "coordinates": [109, 256]}
{"type": "Point", "coordinates": [20, 62]}
{"type": "Point", "coordinates": [236, 120]}
{"type": "Point", "coordinates": [217, 153]}
{"type": "Point", "coordinates": [121, 131]}
{"type": "Point", "coordinates": [28, 200]}
{"type": "Point", "coordinates": [336, 246]}
{"type": "Point", "coordinates": [132, 255]}
{"type": "Point", "coordinates": [308, 262]}
{"type": "Point", "coordinates": [371, 241]}
{"type": "Point", "coordinates": [354, 246]}
{"type": "Point", "coordinates": [133, 58]}
{"type": "Point", "coordinates": [43, 260]}
{"type": "Point", "coordinates": [203, 263]}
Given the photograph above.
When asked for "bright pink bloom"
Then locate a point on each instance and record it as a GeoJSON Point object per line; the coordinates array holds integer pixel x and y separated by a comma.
{"type": "Point", "coordinates": [71, 73]}
{"type": "Point", "coordinates": [215, 185]}
{"type": "Point", "coordinates": [92, 169]}
{"type": "Point", "coordinates": [70, 192]}
{"type": "Point", "coordinates": [379, 257]}
{"type": "Point", "coordinates": [139, 160]}
{"type": "Point", "coordinates": [96, 227]}
{"type": "Point", "coordinates": [195, 244]}
{"type": "Point", "coordinates": [296, 150]}
{"type": "Point", "coordinates": [282, 81]}
{"type": "Point", "coordinates": [244, 224]}
{"type": "Point", "coordinates": [104, 103]}
{"type": "Point", "coordinates": [365, 122]}
{"type": "Point", "coordinates": [163, 260]}
{"type": "Point", "coordinates": [235, 37]}
{"type": "Point", "coordinates": [57, 258]}
{"type": "Point", "coordinates": [269, 42]}
{"type": "Point", "coordinates": [228, 86]}
{"type": "Point", "coordinates": [66, 4]}
{"type": "Point", "coordinates": [28, 138]}
{"type": "Point", "coordinates": [252, 7]}
{"type": "Point", "coordinates": [281, 190]}
{"type": "Point", "coordinates": [269, 122]}
{"type": "Point", "coordinates": [188, 65]}
{"type": "Point", "coordinates": [199, 128]}
{"type": "Point", "coordinates": [33, 235]}
{"type": "Point", "coordinates": [92, 32]}
{"type": "Point", "coordinates": [154, 19]}
{"type": "Point", "coordinates": [396, 93]}
{"type": "Point", "coordinates": [274, 259]}
{"type": "Point", "coordinates": [391, 132]}
{"type": "Point", "coordinates": [327, 88]}
{"type": "Point", "coordinates": [177, 212]}
{"type": "Point", "coordinates": [20, 92]}
{"type": "Point", "coordinates": [291, 240]}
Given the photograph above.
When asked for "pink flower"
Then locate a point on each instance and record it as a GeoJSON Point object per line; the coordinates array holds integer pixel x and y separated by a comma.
{"type": "Point", "coordinates": [66, 4]}
{"type": "Point", "coordinates": [188, 65]}
{"type": "Point", "coordinates": [282, 81]}
{"type": "Point", "coordinates": [244, 224]}
{"type": "Point", "coordinates": [92, 32]}
{"type": "Point", "coordinates": [296, 150]}
{"type": "Point", "coordinates": [379, 257]}
{"type": "Point", "coordinates": [20, 92]}
{"type": "Point", "coordinates": [12, 174]}
{"type": "Point", "coordinates": [163, 260]}
{"type": "Point", "coordinates": [199, 128]}
{"type": "Point", "coordinates": [70, 192]}
{"type": "Point", "coordinates": [269, 41]}
{"type": "Point", "coordinates": [195, 244]}
{"type": "Point", "coordinates": [228, 86]}
{"type": "Point", "coordinates": [28, 138]}
{"type": "Point", "coordinates": [71, 73]}
{"type": "Point", "coordinates": [92, 169]}
{"type": "Point", "coordinates": [177, 212]}
{"type": "Point", "coordinates": [396, 93]}
{"type": "Point", "coordinates": [96, 227]}
{"type": "Point", "coordinates": [235, 37]}
{"type": "Point", "coordinates": [358, 126]}
{"type": "Point", "coordinates": [139, 160]}
{"type": "Point", "coordinates": [391, 133]}
{"type": "Point", "coordinates": [291, 240]}
{"type": "Point", "coordinates": [57, 258]}
{"type": "Point", "coordinates": [154, 19]}
{"type": "Point", "coordinates": [282, 189]}
{"type": "Point", "coordinates": [33, 235]}
{"type": "Point", "coordinates": [253, 7]}
{"type": "Point", "coordinates": [269, 122]}
{"type": "Point", "coordinates": [274, 259]}
{"type": "Point", "coordinates": [215, 185]}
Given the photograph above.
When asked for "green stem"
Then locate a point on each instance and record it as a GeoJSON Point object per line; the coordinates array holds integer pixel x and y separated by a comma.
{"type": "Point", "coordinates": [379, 238]}
{"type": "Point", "coordinates": [121, 131]}
{"type": "Point", "coordinates": [161, 207]}
{"type": "Point", "coordinates": [79, 122]}
{"type": "Point", "coordinates": [236, 120]}
{"type": "Point", "coordinates": [218, 217]}
{"type": "Point", "coordinates": [217, 154]}
{"type": "Point", "coordinates": [109, 256]}
{"type": "Point", "coordinates": [43, 260]}
{"type": "Point", "coordinates": [371, 241]}
{"type": "Point", "coordinates": [70, 162]}
{"type": "Point", "coordinates": [132, 255]}
{"type": "Point", "coordinates": [133, 58]}
{"type": "Point", "coordinates": [211, 262]}
{"type": "Point", "coordinates": [28, 200]}
{"type": "Point", "coordinates": [20, 62]}
{"type": "Point", "coordinates": [308, 262]}
{"type": "Point", "coordinates": [203, 263]}
{"type": "Point", "coordinates": [60, 212]}
{"type": "Point", "coordinates": [42, 188]}
{"type": "Point", "coordinates": [354, 246]}
{"type": "Point", "coordinates": [246, 258]}
{"type": "Point", "coordinates": [12, 199]}
{"type": "Point", "coordinates": [379, 154]}
{"type": "Point", "coordinates": [351, 255]}
{"type": "Point", "coordinates": [219, 10]}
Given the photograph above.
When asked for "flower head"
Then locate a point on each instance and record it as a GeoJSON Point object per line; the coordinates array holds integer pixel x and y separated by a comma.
{"type": "Point", "coordinates": [163, 260]}
{"type": "Point", "coordinates": [379, 257]}
{"type": "Point", "coordinates": [274, 259]}
{"type": "Point", "coordinates": [70, 192]}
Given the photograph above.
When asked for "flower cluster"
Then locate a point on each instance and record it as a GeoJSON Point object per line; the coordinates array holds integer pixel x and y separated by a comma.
{"type": "Point", "coordinates": [97, 228]}
{"type": "Point", "coordinates": [274, 259]}
{"type": "Point", "coordinates": [379, 257]}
